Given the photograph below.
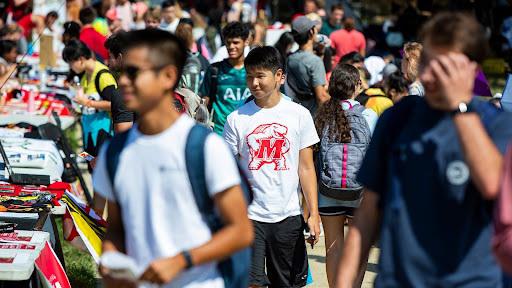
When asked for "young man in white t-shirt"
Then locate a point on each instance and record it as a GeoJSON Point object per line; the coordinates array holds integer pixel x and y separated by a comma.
{"type": "Point", "coordinates": [153, 217]}
{"type": "Point", "coordinates": [273, 138]}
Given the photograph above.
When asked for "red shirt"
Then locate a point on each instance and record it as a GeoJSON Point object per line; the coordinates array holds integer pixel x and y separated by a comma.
{"type": "Point", "coordinates": [95, 41]}
{"type": "Point", "coordinates": [344, 42]}
{"type": "Point", "coordinates": [26, 25]}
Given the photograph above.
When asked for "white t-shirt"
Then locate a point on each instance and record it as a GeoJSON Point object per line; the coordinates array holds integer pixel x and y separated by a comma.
{"type": "Point", "coordinates": [170, 27]}
{"type": "Point", "coordinates": [159, 213]}
{"type": "Point", "coordinates": [268, 142]}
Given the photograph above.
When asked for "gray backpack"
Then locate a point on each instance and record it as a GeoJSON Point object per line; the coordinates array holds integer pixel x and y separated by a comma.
{"type": "Point", "coordinates": [192, 76]}
{"type": "Point", "coordinates": [338, 163]}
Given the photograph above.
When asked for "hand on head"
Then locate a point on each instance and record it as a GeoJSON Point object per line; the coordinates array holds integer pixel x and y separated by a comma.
{"type": "Point", "coordinates": [448, 80]}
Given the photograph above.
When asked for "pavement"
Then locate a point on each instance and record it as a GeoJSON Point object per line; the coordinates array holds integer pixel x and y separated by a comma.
{"type": "Point", "coordinates": [317, 265]}
{"type": "Point", "coordinates": [316, 256]}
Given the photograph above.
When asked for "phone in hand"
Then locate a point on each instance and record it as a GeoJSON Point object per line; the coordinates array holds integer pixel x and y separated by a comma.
{"type": "Point", "coordinates": [311, 240]}
{"type": "Point", "coordinates": [88, 157]}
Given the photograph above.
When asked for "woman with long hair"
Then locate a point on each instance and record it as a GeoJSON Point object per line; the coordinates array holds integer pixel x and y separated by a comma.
{"type": "Point", "coordinates": [410, 67]}
{"type": "Point", "coordinates": [285, 44]}
{"type": "Point", "coordinates": [344, 126]}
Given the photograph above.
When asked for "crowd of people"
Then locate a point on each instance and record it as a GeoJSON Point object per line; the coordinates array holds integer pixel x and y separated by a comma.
{"type": "Point", "coordinates": [314, 129]}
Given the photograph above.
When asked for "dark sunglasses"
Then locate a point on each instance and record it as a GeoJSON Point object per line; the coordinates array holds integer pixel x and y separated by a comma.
{"type": "Point", "coordinates": [132, 71]}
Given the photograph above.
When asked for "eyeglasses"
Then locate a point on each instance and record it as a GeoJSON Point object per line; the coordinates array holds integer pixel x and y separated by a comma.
{"type": "Point", "coordinates": [132, 71]}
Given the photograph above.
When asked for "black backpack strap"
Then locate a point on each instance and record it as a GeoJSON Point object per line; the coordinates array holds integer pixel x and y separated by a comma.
{"type": "Point", "coordinates": [114, 149]}
{"type": "Point", "coordinates": [97, 79]}
{"type": "Point", "coordinates": [196, 170]}
{"type": "Point", "coordinates": [214, 68]}
{"type": "Point", "coordinates": [362, 98]}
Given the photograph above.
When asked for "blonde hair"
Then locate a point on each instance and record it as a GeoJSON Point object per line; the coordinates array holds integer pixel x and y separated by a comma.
{"type": "Point", "coordinates": [152, 14]}
{"type": "Point", "coordinates": [412, 54]}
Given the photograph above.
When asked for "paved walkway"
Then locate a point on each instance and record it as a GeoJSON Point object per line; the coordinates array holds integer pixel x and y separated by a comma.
{"type": "Point", "coordinates": [317, 265]}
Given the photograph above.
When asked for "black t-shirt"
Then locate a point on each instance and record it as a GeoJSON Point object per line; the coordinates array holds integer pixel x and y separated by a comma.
{"type": "Point", "coordinates": [436, 227]}
{"type": "Point", "coordinates": [111, 93]}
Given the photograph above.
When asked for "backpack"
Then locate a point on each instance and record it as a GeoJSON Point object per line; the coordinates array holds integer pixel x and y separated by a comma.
{"type": "Point", "coordinates": [191, 76]}
{"type": "Point", "coordinates": [364, 96]}
{"type": "Point", "coordinates": [194, 106]}
{"type": "Point", "coordinates": [235, 268]}
{"type": "Point", "coordinates": [97, 79]}
{"type": "Point", "coordinates": [339, 163]}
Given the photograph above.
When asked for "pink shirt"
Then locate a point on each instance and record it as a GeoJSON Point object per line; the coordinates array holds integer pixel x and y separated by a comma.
{"type": "Point", "coordinates": [344, 42]}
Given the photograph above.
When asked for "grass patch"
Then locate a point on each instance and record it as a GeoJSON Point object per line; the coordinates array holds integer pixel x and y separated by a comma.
{"type": "Point", "coordinates": [80, 266]}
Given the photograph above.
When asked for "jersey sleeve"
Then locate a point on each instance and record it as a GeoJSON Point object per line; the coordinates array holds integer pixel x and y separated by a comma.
{"type": "Point", "coordinates": [101, 180]}
{"type": "Point", "coordinates": [221, 169]}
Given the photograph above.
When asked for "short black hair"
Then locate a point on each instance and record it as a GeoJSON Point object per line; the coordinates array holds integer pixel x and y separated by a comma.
{"type": "Point", "coordinates": [116, 43]}
{"type": "Point", "coordinates": [74, 50]}
{"type": "Point", "coordinates": [168, 3]}
{"type": "Point", "coordinates": [53, 14]}
{"type": "Point", "coordinates": [72, 29]}
{"type": "Point", "coordinates": [6, 46]}
{"type": "Point", "coordinates": [164, 48]}
{"type": "Point", "coordinates": [302, 38]}
{"type": "Point", "coordinates": [235, 30]}
{"type": "Point", "coordinates": [337, 6]}
{"type": "Point", "coordinates": [87, 15]}
{"type": "Point", "coordinates": [351, 58]}
{"type": "Point", "coordinates": [4, 31]}
{"type": "Point", "coordinates": [187, 21]}
{"type": "Point", "coordinates": [397, 82]}
{"type": "Point", "coordinates": [266, 57]}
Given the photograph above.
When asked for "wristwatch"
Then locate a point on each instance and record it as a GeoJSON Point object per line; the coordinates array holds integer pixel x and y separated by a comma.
{"type": "Point", "coordinates": [188, 259]}
{"type": "Point", "coordinates": [462, 108]}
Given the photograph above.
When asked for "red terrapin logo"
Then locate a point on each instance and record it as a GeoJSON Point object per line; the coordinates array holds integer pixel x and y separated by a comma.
{"type": "Point", "coordinates": [268, 145]}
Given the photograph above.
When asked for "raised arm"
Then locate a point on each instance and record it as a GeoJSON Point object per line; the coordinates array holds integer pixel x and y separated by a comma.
{"type": "Point", "coordinates": [454, 74]}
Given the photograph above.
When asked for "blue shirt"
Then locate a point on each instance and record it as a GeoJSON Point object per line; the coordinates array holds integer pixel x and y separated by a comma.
{"type": "Point", "coordinates": [436, 227]}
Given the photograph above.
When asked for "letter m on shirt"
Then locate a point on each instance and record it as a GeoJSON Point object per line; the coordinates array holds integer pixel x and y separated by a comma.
{"type": "Point", "coordinates": [270, 149]}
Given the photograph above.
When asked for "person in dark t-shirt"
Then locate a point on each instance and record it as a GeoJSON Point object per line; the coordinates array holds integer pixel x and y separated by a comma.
{"type": "Point", "coordinates": [103, 110]}
{"type": "Point", "coordinates": [431, 173]}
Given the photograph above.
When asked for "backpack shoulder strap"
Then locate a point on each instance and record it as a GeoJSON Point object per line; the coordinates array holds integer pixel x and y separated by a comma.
{"type": "Point", "coordinates": [97, 79]}
{"type": "Point", "coordinates": [195, 164]}
{"type": "Point", "coordinates": [359, 108]}
{"type": "Point", "coordinates": [114, 149]}
{"type": "Point", "coordinates": [214, 74]}
{"type": "Point", "coordinates": [362, 98]}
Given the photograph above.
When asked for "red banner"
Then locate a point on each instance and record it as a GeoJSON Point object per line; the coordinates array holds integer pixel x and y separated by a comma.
{"type": "Point", "coordinates": [50, 268]}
